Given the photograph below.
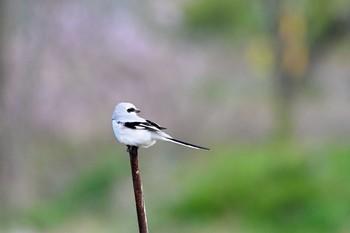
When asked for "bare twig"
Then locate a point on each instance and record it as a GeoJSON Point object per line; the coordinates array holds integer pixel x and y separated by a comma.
{"type": "Point", "coordinates": [138, 191]}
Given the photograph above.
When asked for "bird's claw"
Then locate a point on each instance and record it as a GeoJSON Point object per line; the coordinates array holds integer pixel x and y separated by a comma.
{"type": "Point", "coordinates": [130, 148]}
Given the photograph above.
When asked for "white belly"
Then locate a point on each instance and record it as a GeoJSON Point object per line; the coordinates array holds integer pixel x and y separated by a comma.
{"type": "Point", "coordinates": [132, 137]}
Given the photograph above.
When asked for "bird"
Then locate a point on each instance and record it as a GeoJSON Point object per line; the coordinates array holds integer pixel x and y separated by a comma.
{"type": "Point", "coordinates": [133, 130]}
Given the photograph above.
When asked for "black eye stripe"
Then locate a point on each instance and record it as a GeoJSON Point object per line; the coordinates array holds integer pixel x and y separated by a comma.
{"type": "Point", "coordinates": [131, 110]}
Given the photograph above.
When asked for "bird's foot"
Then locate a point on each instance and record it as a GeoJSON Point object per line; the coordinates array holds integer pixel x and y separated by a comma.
{"type": "Point", "coordinates": [130, 148]}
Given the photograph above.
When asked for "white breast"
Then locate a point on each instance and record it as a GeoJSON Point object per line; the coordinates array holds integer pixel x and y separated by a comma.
{"type": "Point", "coordinates": [132, 137]}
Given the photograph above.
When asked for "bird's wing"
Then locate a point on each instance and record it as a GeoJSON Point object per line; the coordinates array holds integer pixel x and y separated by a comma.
{"type": "Point", "coordinates": [155, 125]}
{"type": "Point", "coordinates": [146, 125]}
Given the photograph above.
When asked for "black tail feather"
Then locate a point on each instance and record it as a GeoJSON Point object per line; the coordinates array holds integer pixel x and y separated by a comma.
{"type": "Point", "coordinates": [188, 144]}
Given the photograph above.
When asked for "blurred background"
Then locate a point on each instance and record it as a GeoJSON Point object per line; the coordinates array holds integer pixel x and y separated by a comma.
{"type": "Point", "coordinates": [264, 84]}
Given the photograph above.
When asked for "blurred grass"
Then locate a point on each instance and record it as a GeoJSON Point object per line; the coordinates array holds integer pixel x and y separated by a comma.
{"type": "Point", "coordinates": [274, 188]}
{"type": "Point", "coordinates": [91, 190]}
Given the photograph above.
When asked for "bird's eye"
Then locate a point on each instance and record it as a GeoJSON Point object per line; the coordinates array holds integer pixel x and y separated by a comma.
{"type": "Point", "coordinates": [131, 110]}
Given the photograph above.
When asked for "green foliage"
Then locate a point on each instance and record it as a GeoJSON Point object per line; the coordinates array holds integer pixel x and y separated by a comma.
{"type": "Point", "coordinates": [222, 16]}
{"type": "Point", "coordinates": [280, 187]}
{"type": "Point", "coordinates": [92, 189]}
{"type": "Point", "coordinates": [235, 16]}
{"type": "Point", "coordinates": [323, 17]}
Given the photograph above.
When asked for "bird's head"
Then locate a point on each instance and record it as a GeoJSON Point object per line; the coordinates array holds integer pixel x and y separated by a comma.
{"type": "Point", "coordinates": [125, 109]}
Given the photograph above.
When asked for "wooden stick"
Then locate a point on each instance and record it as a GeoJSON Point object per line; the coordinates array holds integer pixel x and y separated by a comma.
{"type": "Point", "coordinates": [138, 191]}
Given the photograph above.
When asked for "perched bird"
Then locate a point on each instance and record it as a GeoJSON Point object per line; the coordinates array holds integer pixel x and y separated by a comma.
{"type": "Point", "coordinates": [132, 130]}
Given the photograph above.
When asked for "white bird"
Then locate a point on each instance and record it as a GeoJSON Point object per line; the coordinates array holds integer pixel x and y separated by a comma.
{"type": "Point", "coordinates": [132, 130]}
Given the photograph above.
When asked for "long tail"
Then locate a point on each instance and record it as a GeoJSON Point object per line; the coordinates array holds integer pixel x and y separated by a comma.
{"type": "Point", "coordinates": [185, 143]}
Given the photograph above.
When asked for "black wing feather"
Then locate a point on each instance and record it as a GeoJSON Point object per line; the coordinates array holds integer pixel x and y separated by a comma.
{"type": "Point", "coordinates": [148, 125]}
{"type": "Point", "coordinates": [131, 125]}
{"type": "Point", "coordinates": [155, 125]}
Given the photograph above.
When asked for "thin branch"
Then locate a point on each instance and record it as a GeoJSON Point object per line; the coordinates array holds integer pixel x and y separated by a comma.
{"type": "Point", "coordinates": [138, 190]}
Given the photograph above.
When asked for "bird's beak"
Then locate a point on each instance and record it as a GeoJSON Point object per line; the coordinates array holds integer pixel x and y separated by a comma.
{"type": "Point", "coordinates": [137, 110]}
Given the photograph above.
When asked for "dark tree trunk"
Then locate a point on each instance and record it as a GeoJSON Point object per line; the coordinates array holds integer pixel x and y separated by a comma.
{"type": "Point", "coordinates": [284, 81]}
